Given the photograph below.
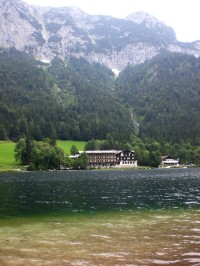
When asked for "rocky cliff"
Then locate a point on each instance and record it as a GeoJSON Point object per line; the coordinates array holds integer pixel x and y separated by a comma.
{"type": "Point", "coordinates": [47, 32]}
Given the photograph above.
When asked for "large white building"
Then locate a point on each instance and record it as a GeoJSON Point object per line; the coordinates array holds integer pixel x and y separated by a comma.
{"type": "Point", "coordinates": [109, 158]}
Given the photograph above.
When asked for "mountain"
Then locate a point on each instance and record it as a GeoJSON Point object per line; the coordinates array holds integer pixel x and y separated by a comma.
{"type": "Point", "coordinates": [76, 95]}
{"type": "Point", "coordinates": [164, 94]}
{"type": "Point", "coordinates": [46, 33]}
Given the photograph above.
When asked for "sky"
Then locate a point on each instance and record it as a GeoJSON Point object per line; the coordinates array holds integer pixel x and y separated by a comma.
{"type": "Point", "coordinates": [182, 15]}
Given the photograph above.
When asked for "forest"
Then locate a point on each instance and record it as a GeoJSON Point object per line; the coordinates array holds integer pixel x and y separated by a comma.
{"type": "Point", "coordinates": [164, 94]}
{"type": "Point", "coordinates": [152, 108]}
{"type": "Point", "coordinates": [69, 100]}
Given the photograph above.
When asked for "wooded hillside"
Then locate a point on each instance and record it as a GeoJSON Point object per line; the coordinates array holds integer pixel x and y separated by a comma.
{"type": "Point", "coordinates": [164, 94]}
{"type": "Point", "coordinates": [67, 100]}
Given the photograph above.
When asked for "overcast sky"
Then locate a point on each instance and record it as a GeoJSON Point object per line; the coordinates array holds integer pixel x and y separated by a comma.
{"type": "Point", "coordinates": [182, 15]}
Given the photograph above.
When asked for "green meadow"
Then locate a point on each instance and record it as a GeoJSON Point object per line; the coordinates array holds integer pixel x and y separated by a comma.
{"type": "Point", "coordinates": [7, 158]}
{"type": "Point", "coordinates": [67, 144]}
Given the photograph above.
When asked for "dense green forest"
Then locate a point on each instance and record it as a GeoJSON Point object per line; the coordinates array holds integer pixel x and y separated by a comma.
{"type": "Point", "coordinates": [164, 94]}
{"type": "Point", "coordinates": [78, 100]}
{"type": "Point", "coordinates": [67, 100]}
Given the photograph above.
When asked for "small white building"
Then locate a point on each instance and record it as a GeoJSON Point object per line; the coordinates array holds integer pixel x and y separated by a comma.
{"type": "Point", "coordinates": [169, 161]}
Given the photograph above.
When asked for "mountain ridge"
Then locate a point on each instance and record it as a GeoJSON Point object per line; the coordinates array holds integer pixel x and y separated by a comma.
{"type": "Point", "coordinates": [47, 32]}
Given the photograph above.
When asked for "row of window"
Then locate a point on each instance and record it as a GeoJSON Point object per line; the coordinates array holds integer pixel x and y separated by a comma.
{"type": "Point", "coordinates": [128, 162]}
{"type": "Point", "coordinates": [125, 154]}
{"type": "Point", "coordinates": [102, 157]}
{"type": "Point", "coordinates": [99, 161]}
{"type": "Point", "coordinates": [108, 161]}
{"type": "Point", "coordinates": [126, 158]}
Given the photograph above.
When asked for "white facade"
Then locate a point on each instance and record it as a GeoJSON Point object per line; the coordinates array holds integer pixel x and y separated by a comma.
{"type": "Point", "coordinates": [127, 164]}
{"type": "Point", "coordinates": [167, 161]}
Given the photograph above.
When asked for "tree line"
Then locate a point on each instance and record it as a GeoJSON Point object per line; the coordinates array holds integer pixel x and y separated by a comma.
{"type": "Point", "coordinates": [46, 155]}
{"type": "Point", "coordinates": [148, 151]}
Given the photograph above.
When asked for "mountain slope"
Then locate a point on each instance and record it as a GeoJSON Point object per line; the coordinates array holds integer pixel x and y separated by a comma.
{"type": "Point", "coordinates": [71, 100]}
{"type": "Point", "coordinates": [75, 99]}
{"type": "Point", "coordinates": [48, 32]}
{"type": "Point", "coordinates": [165, 95]}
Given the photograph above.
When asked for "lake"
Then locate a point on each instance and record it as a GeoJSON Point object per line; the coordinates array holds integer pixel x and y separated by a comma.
{"type": "Point", "coordinates": [87, 218]}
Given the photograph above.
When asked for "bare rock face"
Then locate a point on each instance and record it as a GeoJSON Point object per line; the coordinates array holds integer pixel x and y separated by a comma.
{"type": "Point", "coordinates": [147, 19]}
{"type": "Point", "coordinates": [46, 32]}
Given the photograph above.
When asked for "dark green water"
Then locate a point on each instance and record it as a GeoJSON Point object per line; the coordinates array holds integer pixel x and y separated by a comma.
{"type": "Point", "coordinates": [140, 217]}
{"type": "Point", "coordinates": [56, 193]}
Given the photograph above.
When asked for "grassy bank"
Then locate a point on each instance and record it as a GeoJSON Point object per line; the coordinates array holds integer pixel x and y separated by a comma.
{"type": "Point", "coordinates": [7, 158]}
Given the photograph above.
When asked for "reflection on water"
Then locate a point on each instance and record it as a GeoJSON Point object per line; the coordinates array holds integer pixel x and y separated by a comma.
{"type": "Point", "coordinates": [100, 218]}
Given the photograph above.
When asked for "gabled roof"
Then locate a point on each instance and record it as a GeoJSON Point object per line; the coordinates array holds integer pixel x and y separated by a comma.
{"type": "Point", "coordinates": [165, 157]}
{"type": "Point", "coordinates": [125, 151]}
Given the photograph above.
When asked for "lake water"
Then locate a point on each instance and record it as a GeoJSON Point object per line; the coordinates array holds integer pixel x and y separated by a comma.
{"type": "Point", "coordinates": [87, 218]}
